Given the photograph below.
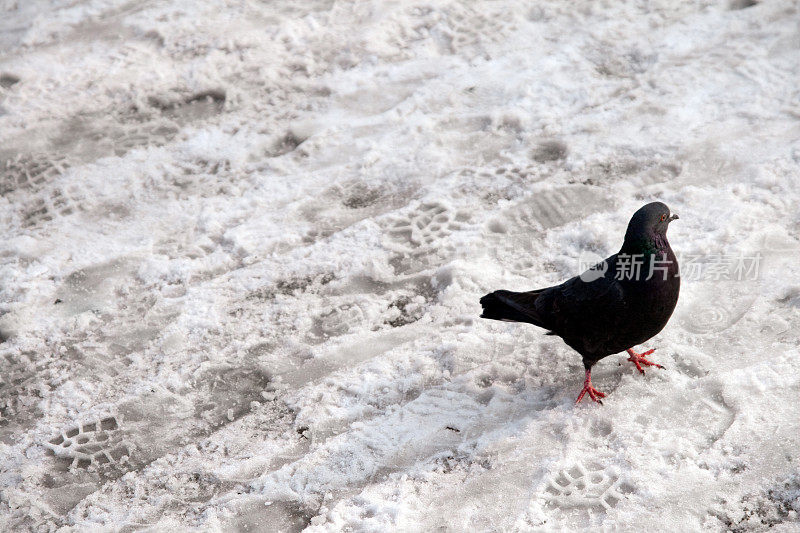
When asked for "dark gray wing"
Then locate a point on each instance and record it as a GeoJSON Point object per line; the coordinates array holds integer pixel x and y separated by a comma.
{"type": "Point", "coordinates": [586, 314]}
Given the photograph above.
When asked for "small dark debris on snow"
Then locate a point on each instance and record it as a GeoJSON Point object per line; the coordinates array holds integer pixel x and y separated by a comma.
{"type": "Point", "coordinates": [547, 151]}
{"type": "Point", "coordinates": [7, 80]}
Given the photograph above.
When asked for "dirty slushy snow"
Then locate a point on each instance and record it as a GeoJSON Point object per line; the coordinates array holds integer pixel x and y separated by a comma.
{"type": "Point", "coordinates": [244, 244]}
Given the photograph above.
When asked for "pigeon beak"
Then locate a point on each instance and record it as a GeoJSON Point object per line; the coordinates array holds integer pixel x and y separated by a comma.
{"type": "Point", "coordinates": [674, 217]}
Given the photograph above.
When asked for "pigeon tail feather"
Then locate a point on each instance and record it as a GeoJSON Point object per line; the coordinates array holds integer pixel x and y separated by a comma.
{"type": "Point", "coordinates": [511, 306]}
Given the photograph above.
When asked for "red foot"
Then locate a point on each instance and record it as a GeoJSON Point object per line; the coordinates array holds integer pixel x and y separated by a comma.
{"type": "Point", "coordinates": [639, 360]}
{"type": "Point", "coordinates": [594, 394]}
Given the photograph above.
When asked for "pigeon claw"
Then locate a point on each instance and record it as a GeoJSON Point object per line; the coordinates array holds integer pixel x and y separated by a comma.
{"type": "Point", "coordinates": [594, 394]}
{"type": "Point", "coordinates": [639, 360]}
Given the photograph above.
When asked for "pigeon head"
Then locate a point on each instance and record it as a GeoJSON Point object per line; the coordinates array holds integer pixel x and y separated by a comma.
{"type": "Point", "coordinates": [647, 230]}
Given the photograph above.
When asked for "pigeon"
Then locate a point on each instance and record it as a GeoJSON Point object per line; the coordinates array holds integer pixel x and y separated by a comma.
{"type": "Point", "coordinates": [614, 306]}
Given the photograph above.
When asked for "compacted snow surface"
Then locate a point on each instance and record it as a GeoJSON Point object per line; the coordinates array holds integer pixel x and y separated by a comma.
{"type": "Point", "coordinates": [244, 243]}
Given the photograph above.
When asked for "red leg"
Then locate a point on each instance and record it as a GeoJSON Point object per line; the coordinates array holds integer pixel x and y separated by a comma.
{"type": "Point", "coordinates": [594, 394]}
{"type": "Point", "coordinates": [639, 360]}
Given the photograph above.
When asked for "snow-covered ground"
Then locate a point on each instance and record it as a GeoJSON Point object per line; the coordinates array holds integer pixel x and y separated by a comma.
{"type": "Point", "coordinates": [244, 242]}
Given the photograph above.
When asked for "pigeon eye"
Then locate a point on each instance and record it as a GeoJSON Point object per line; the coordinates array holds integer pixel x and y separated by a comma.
{"type": "Point", "coordinates": [663, 218]}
